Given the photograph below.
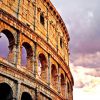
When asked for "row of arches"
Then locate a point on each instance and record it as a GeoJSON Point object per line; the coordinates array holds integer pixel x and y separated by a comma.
{"type": "Point", "coordinates": [7, 44]}
{"type": "Point", "coordinates": [54, 75]}
{"type": "Point", "coordinates": [6, 93]}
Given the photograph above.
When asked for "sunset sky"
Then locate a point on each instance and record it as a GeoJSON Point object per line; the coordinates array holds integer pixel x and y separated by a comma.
{"type": "Point", "coordinates": [82, 18]}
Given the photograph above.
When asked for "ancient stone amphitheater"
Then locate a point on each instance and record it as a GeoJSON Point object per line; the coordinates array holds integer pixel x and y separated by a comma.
{"type": "Point", "coordinates": [34, 54]}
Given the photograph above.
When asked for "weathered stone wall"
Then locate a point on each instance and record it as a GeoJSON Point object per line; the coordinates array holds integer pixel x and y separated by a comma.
{"type": "Point", "coordinates": [46, 44]}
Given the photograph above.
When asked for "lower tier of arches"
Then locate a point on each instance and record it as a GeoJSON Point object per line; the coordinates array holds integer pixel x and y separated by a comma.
{"type": "Point", "coordinates": [18, 85]}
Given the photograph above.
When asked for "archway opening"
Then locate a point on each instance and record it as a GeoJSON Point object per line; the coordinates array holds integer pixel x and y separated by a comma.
{"type": "Point", "coordinates": [24, 56]}
{"type": "Point", "coordinates": [42, 67]}
{"type": "Point", "coordinates": [7, 43]}
{"type": "Point", "coordinates": [54, 76]}
{"type": "Point", "coordinates": [6, 92]}
{"type": "Point", "coordinates": [26, 96]}
{"type": "Point", "coordinates": [4, 43]}
{"type": "Point", "coordinates": [27, 54]}
{"type": "Point", "coordinates": [62, 84]}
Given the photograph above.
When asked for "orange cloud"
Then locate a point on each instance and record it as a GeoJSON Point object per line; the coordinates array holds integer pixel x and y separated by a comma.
{"type": "Point", "coordinates": [87, 82]}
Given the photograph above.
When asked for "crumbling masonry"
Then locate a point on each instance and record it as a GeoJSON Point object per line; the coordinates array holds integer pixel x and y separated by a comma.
{"type": "Point", "coordinates": [42, 71]}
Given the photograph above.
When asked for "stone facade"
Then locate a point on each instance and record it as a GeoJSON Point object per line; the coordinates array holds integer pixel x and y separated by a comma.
{"type": "Point", "coordinates": [36, 26]}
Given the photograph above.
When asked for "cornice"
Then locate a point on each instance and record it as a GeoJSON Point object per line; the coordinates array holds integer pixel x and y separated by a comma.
{"type": "Point", "coordinates": [51, 6]}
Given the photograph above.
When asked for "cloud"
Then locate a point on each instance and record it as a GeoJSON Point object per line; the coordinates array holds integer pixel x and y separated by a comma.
{"type": "Point", "coordinates": [83, 20]}
{"type": "Point", "coordinates": [85, 78]}
{"type": "Point", "coordinates": [84, 75]}
{"type": "Point", "coordinates": [79, 94]}
{"type": "Point", "coordinates": [87, 60]}
{"type": "Point", "coordinates": [87, 82]}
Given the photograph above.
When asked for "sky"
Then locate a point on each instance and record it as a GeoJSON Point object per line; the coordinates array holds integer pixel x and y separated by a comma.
{"type": "Point", "coordinates": [82, 19]}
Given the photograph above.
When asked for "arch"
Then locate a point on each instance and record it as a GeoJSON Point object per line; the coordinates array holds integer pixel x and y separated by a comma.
{"type": "Point", "coordinates": [26, 96]}
{"type": "Point", "coordinates": [62, 84]}
{"type": "Point", "coordinates": [62, 79]}
{"type": "Point", "coordinates": [6, 92]}
{"type": "Point", "coordinates": [27, 54]}
{"type": "Point", "coordinates": [42, 66]}
{"type": "Point", "coordinates": [10, 36]}
{"type": "Point", "coordinates": [28, 49]}
{"type": "Point", "coordinates": [8, 42]}
{"type": "Point", "coordinates": [4, 43]}
{"type": "Point", "coordinates": [54, 76]}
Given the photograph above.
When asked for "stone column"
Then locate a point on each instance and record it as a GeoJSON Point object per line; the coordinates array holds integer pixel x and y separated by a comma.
{"type": "Point", "coordinates": [18, 57]}
{"type": "Point", "coordinates": [37, 94]}
{"type": "Point", "coordinates": [17, 13]}
{"type": "Point", "coordinates": [56, 30]}
{"type": "Point", "coordinates": [66, 91]}
{"type": "Point", "coordinates": [18, 90]}
{"type": "Point", "coordinates": [49, 69]}
{"type": "Point", "coordinates": [15, 54]}
{"type": "Point", "coordinates": [59, 80]}
{"type": "Point", "coordinates": [35, 11]}
{"type": "Point", "coordinates": [47, 26]}
{"type": "Point", "coordinates": [35, 59]}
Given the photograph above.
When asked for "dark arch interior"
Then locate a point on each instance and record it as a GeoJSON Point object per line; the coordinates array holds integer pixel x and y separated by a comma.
{"type": "Point", "coordinates": [61, 42]}
{"type": "Point", "coordinates": [43, 61]}
{"type": "Point", "coordinates": [42, 57]}
{"type": "Point", "coordinates": [42, 18]}
{"type": "Point", "coordinates": [6, 92]}
{"type": "Point", "coordinates": [10, 37]}
{"type": "Point", "coordinates": [28, 49]}
{"type": "Point", "coordinates": [53, 70]}
{"type": "Point", "coordinates": [27, 54]}
{"type": "Point", "coordinates": [54, 76]}
{"type": "Point", "coordinates": [68, 86]}
{"type": "Point", "coordinates": [26, 96]}
{"type": "Point", "coordinates": [62, 79]}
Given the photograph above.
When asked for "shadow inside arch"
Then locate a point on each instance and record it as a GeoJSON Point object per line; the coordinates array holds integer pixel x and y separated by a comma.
{"type": "Point", "coordinates": [6, 92]}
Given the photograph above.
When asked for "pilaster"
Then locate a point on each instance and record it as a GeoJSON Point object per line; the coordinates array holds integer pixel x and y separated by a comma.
{"type": "Point", "coordinates": [18, 57]}
{"type": "Point", "coordinates": [49, 69]}
{"type": "Point", "coordinates": [37, 94]}
{"type": "Point", "coordinates": [47, 26]}
{"type": "Point", "coordinates": [17, 13]}
{"type": "Point", "coordinates": [35, 59]}
{"type": "Point", "coordinates": [35, 11]}
{"type": "Point", "coordinates": [18, 90]}
{"type": "Point", "coordinates": [59, 80]}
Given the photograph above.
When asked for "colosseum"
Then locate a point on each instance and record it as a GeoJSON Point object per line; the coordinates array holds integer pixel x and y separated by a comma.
{"type": "Point", "coordinates": [34, 54]}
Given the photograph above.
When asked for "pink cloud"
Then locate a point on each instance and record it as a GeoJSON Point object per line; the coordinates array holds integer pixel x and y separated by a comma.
{"type": "Point", "coordinates": [87, 60]}
{"type": "Point", "coordinates": [87, 82]}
